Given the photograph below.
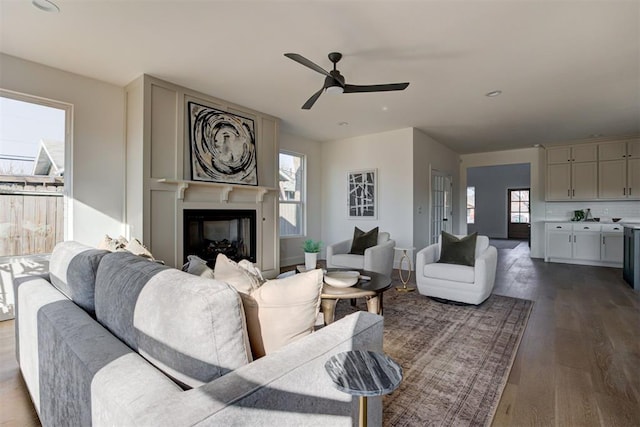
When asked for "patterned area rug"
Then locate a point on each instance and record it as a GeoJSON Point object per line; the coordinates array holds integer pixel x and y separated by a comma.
{"type": "Point", "coordinates": [456, 359]}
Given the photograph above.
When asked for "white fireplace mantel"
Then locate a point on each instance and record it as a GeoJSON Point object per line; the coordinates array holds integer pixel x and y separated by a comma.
{"type": "Point", "coordinates": [225, 189]}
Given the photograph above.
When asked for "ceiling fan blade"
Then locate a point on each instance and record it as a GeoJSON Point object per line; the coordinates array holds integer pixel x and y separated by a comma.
{"type": "Point", "coordinates": [375, 88]}
{"type": "Point", "coordinates": [307, 105]}
{"type": "Point", "coordinates": [304, 61]}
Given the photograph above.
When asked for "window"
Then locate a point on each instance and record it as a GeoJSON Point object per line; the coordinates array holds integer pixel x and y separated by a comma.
{"type": "Point", "coordinates": [471, 205]}
{"type": "Point", "coordinates": [292, 195]}
{"type": "Point", "coordinates": [32, 173]}
{"type": "Point", "coordinates": [519, 209]}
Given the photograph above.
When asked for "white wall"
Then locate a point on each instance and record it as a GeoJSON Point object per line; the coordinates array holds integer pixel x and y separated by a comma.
{"type": "Point", "coordinates": [533, 156]}
{"type": "Point", "coordinates": [291, 247]}
{"type": "Point", "coordinates": [390, 153]}
{"type": "Point", "coordinates": [98, 141]}
{"type": "Point", "coordinates": [492, 184]}
{"type": "Point", "coordinates": [428, 155]}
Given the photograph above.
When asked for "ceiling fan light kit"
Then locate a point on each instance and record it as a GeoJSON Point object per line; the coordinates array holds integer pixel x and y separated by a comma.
{"type": "Point", "coordinates": [334, 82]}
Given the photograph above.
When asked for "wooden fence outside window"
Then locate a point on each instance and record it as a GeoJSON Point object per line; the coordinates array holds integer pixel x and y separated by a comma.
{"type": "Point", "coordinates": [31, 215]}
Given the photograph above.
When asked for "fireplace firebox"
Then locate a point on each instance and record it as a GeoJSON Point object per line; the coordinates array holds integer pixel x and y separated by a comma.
{"type": "Point", "coordinates": [209, 232]}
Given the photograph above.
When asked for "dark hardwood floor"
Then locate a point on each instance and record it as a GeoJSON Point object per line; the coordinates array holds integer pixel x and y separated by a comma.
{"type": "Point", "coordinates": [578, 363]}
{"type": "Point", "coordinates": [579, 360]}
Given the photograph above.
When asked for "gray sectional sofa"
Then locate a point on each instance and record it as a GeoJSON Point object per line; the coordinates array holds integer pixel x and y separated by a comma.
{"type": "Point", "coordinates": [115, 339]}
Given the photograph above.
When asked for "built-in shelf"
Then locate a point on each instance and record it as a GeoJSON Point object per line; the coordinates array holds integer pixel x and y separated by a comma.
{"type": "Point", "coordinates": [225, 189]}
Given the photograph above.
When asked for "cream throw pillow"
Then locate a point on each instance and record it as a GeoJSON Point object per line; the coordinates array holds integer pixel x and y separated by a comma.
{"type": "Point", "coordinates": [282, 311]}
{"type": "Point", "coordinates": [240, 278]}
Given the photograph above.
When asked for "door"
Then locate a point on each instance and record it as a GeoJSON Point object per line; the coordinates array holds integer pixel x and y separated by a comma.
{"type": "Point", "coordinates": [559, 182]}
{"type": "Point", "coordinates": [519, 214]}
{"type": "Point", "coordinates": [612, 247]}
{"type": "Point", "coordinates": [612, 179]}
{"type": "Point", "coordinates": [441, 212]}
{"type": "Point", "coordinates": [558, 244]}
{"type": "Point", "coordinates": [584, 180]}
{"type": "Point", "coordinates": [586, 245]}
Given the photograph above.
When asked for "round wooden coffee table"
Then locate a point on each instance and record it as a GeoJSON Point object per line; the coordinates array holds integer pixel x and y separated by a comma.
{"type": "Point", "coordinates": [371, 290]}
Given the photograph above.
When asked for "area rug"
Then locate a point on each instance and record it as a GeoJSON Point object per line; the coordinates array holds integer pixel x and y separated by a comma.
{"type": "Point", "coordinates": [456, 359]}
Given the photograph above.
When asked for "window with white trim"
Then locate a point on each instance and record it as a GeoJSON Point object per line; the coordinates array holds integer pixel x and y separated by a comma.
{"type": "Point", "coordinates": [292, 194]}
{"type": "Point", "coordinates": [471, 205]}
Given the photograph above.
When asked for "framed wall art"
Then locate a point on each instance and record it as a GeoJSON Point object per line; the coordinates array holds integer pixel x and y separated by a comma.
{"type": "Point", "coordinates": [362, 194]}
{"type": "Point", "coordinates": [223, 146]}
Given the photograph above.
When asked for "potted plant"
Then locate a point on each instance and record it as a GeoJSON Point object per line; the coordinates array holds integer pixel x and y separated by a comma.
{"type": "Point", "coordinates": [311, 249]}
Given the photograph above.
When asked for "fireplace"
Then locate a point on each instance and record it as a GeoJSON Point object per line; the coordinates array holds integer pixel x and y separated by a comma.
{"type": "Point", "coordinates": [209, 232]}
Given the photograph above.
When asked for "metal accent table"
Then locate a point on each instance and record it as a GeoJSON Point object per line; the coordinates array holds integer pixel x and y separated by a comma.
{"type": "Point", "coordinates": [403, 258]}
{"type": "Point", "coordinates": [370, 289]}
{"type": "Point", "coordinates": [364, 373]}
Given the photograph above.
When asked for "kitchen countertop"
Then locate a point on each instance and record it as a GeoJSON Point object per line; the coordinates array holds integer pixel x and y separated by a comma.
{"type": "Point", "coordinates": [634, 225]}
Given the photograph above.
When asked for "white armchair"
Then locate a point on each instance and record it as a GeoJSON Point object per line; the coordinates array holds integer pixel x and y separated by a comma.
{"type": "Point", "coordinates": [461, 283]}
{"type": "Point", "coordinates": [377, 258]}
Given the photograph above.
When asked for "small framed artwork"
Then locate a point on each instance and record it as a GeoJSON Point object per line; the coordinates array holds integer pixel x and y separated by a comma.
{"type": "Point", "coordinates": [223, 146]}
{"type": "Point", "coordinates": [362, 194]}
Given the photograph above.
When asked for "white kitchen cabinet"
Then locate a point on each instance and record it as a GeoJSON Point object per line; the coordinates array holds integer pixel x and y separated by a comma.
{"type": "Point", "coordinates": [588, 243]}
{"type": "Point", "coordinates": [572, 172]}
{"type": "Point", "coordinates": [612, 246]}
{"type": "Point", "coordinates": [619, 170]}
{"type": "Point", "coordinates": [559, 241]}
{"type": "Point", "coordinates": [633, 178]}
{"type": "Point", "coordinates": [612, 181]}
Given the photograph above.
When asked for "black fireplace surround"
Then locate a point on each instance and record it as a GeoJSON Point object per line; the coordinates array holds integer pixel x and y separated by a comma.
{"type": "Point", "coordinates": [209, 232]}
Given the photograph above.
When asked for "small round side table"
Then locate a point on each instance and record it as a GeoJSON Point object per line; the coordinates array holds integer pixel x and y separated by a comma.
{"type": "Point", "coordinates": [364, 373]}
{"type": "Point", "coordinates": [403, 258]}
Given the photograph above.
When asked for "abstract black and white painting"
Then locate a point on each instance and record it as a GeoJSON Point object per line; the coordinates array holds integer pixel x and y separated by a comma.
{"type": "Point", "coordinates": [362, 194]}
{"type": "Point", "coordinates": [223, 146]}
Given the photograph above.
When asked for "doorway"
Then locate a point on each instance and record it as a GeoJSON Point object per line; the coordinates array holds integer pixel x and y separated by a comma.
{"type": "Point", "coordinates": [519, 213]}
{"type": "Point", "coordinates": [441, 212]}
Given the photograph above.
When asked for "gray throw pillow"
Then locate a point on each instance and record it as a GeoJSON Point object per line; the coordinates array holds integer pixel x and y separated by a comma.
{"type": "Point", "coordinates": [461, 251]}
{"type": "Point", "coordinates": [362, 240]}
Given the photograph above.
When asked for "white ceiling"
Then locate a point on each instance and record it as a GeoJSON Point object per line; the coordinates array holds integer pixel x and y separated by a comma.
{"type": "Point", "coordinates": [567, 69]}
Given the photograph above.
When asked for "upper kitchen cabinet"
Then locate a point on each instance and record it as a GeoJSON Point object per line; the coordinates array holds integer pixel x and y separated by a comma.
{"type": "Point", "coordinates": [572, 172]}
{"type": "Point", "coordinates": [619, 170]}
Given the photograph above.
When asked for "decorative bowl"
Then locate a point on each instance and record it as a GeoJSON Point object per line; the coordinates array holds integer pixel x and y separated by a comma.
{"type": "Point", "coordinates": [341, 279]}
{"type": "Point", "coordinates": [615, 219]}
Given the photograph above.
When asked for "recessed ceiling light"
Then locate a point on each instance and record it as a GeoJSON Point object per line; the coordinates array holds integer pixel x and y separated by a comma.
{"type": "Point", "coordinates": [46, 5]}
{"type": "Point", "coordinates": [493, 93]}
{"type": "Point", "coordinates": [595, 135]}
{"type": "Point", "coordinates": [343, 124]}
{"type": "Point", "coordinates": [385, 108]}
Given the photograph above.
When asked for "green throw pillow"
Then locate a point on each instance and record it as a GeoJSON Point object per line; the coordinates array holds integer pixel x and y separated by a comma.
{"type": "Point", "coordinates": [362, 240]}
{"type": "Point", "coordinates": [460, 251]}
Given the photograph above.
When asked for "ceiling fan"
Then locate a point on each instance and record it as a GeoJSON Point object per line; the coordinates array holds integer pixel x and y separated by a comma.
{"type": "Point", "coordinates": [334, 81]}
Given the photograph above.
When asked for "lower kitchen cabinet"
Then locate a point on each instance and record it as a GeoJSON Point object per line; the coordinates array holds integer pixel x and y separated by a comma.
{"type": "Point", "coordinates": [586, 243]}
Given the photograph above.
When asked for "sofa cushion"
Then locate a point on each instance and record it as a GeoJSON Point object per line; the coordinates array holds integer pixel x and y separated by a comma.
{"type": "Point", "coordinates": [451, 272]}
{"type": "Point", "coordinates": [72, 270]}
{"type": "Point", "coordinates": [362, 241]}
{"type": "Point", "coordinates": [456, 250]}
{"type": "Point", "coordinates": [242, 276]}
{"type": "Point", "coordinates": [282, 311]}
{"type": "Point", "coordinates": [191, 328]}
